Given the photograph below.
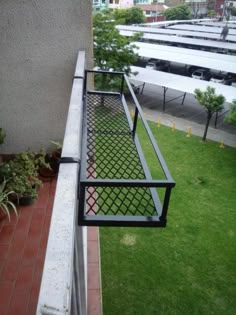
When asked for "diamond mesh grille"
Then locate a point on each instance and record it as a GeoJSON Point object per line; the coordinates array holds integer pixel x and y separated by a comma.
{"type": "Point", "coordinates": [112, 154]}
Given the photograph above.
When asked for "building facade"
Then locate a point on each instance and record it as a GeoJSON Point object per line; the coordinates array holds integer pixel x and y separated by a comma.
{"type": "Point", "coordinates": [39, 46]}
{"type": "Point", "coordinates": [99, 5]}
{"type": "Point", "coordinates": [143, 2]}
{"type": "Point", "coordinates": [120, 4]}
{"type": "Point", "coordinates": [199, 8]}
{"type": "Point", "coordinates": [153, 12]}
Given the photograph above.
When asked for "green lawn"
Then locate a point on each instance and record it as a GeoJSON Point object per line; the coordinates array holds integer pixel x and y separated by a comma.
{"type": "Point", "coordinates": [188, 267]}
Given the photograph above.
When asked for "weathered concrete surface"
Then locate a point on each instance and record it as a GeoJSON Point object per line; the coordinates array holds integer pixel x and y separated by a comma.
{"type": "Point", "coordinates": [39, 43]}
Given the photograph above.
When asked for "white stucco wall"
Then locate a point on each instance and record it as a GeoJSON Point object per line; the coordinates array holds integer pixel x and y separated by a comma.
{"type": "Point", "coordinates": [39, 44]}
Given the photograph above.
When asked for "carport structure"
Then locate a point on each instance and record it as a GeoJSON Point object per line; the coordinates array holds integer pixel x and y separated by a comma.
{"type": "Point", "coordinates": [201, 28]}
{"type": "Point", "coordinates": [203, 43]}
{"type": "Point", "coordinates": [170, 31]}
{"type": "Point", "coordinates": [179, 83]}
{"type": "Point", "coordinates": [230, 24]}
{"type": "Point", "coordinates": [201, 59]}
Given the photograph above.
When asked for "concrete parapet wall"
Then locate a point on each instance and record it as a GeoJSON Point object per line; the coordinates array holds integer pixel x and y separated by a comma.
{"type": "Point", "coordinates": [39, 43]}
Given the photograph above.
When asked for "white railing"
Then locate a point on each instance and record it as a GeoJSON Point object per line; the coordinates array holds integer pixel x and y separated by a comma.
{"type": "Point", "coordinates": [63, 284]}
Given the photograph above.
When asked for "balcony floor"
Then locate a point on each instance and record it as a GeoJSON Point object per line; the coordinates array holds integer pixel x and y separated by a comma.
{"type": "Point", "coordinates": [23, 244]}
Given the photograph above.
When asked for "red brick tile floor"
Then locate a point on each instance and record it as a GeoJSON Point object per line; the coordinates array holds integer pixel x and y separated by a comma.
{"type": "Point", "coordinates": [23, 244]}
{"type": "Point", "coordinates": [94, 274]}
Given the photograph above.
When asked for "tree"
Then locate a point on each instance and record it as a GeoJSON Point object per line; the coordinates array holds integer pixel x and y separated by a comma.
{"type": "Point", "coordinates": [233, 11]}
{"type": "Point", "coordinates": [180, 12]}
{"type": "Point", "coordinates": [212, 13]}
{"type": "Point", "coordinates": [231, 117]}
{"type": "Point", "coordinates": [112, 50]}
{"type": "Point", "coordinates": [212, 102]}
{"type": "Point", "coordinates": [133, 15]}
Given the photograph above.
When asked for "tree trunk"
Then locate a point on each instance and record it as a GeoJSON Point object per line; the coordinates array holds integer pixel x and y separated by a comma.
{"type": "Point", "coordinates": [209, 115]}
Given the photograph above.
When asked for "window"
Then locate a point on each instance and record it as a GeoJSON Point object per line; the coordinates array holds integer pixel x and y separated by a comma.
{"type": "Point", "coordinates": [141, 2]}
{"type": "Point", "coordinates": [116, 1]}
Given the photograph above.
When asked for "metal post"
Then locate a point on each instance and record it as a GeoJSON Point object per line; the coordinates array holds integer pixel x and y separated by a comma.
{"type": "Point", "coordinates": [135, 122]}
{"type": "Point", "coordinates": [183, 99]}
{"type": "Point", "coordinates": [142, 88]}
{"type": "Point", "coordinates": [216, 119]}
{"type": "Point", "coordinates": [166, 203]}
{"type": "Point", "coordinates": [223, 13]}
{"type": "Point", "coordinates": [122, 85]}
{"type": "Point", "coordinates": [164, 98]}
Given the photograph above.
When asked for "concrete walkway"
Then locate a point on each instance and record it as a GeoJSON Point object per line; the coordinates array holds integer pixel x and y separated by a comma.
{"type": "Point", "coordinates": [197, 129]}
{"type": "Point", "coordinates": [191, 114]}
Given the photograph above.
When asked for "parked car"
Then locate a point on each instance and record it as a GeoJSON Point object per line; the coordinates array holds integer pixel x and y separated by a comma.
{"type": "Point", "coordinates": [233, 82]}
{"type": "Point", "coordinates": [230, 79]}
{"type": "Point", "coordinates": [191, 69]}
{"type": "Point", "coordinates": [159, 65]}
{"type": "Point", "coordinates": [218, 78]}
{"type": "Point", "coordinates": [202, 74]}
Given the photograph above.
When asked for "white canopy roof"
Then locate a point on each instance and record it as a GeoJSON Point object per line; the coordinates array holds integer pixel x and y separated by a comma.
{"type": "Point", "coordinates": [180, 83]}
{"type": "Point", "coordinates": [156, 24]}
{"type": "Point", "coordinates": [184, 40]}
{"type": "Point", "coordinates": [170, 31]}
{"type": "Point", "coordinates": [193, 57]}
{"type": "Point", "coordinates": [200, 28]}
{"type": "Point", "coordinates": [230, 24]}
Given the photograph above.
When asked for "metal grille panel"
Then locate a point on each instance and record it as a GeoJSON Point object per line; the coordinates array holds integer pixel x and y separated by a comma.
{"type": "Point", "coordinates": [111, 153]}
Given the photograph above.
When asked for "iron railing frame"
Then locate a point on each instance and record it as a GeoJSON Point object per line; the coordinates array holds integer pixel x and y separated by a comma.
{"type": "Point", "coordinates": [159, 220]}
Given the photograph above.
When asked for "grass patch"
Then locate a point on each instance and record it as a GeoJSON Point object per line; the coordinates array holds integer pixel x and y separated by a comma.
{"type": "Point", "coordinates": [188, 267]}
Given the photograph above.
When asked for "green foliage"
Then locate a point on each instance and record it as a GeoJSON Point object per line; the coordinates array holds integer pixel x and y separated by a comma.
{"type": "Point", "coordinates": [211, 101]}
{"type": "Point", "coordinates": [57, 145]}
{"type": "Point", "coordinates": [22, 173]}
{"type": "Point", "coordinates": [112, 51]}
{"type": "Point", "coordinates": [133, 15]}
{"type": "Point", "coordinates": [2, 135]}
{"type": "Point", "coordinates": [180, 12]}
{"type": "Point", "coordinates": [231, 117]}
{"type": "Point", "coordinates": [233, 11]}
{"type": "Point", "coordinates": [5, 204]}
{"type": "Point", "coordinates": [212, 13]}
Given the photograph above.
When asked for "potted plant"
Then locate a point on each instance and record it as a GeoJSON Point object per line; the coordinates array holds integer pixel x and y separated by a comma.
{"type": "Point", "coordinates": [2, 137]}
{"type": "Point", "coordinates": [22, 175]}
{"type": "Point", "coordinates": [54, 158]}
{"type": "Point", "coordinates": [5, 204]}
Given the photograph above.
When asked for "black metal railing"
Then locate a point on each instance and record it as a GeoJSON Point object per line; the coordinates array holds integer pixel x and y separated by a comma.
{"type": "Point", "coordinates": [116, 186]}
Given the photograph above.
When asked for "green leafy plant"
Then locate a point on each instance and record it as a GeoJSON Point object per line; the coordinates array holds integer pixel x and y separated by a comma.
{"type": "Point", "coordinates": [180, 12]}
{"type": "Point", "coordinates": [212, 102]}
{"type": "Point", "coordinates": [5, 204]}
{"type": "Point", "coordinates": [55, 156]}
{"type": "Point", "coordinates": [22, 173]}
{"type": "Point", "coordinates": [58, 145]}
{"type": "Point", "coordinates": [231, 117]}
